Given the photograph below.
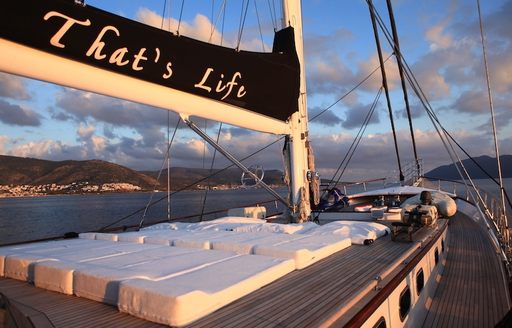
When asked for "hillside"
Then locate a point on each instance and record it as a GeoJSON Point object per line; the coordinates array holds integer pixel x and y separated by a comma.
{"type": "Point", "coordinates": [182, 177]}
{"type": "Point", "coordinates": [31, 171]}
{"type": "Point", "coordinates": [488, 163]}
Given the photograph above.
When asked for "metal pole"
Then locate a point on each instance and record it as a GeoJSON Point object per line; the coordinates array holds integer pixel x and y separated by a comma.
{"type": "Point", "coordinates": [398, 55]}
{"type": "Point", "coordinates": [385, 85]}
{"type": "Point", "coordinates": [230, 157]}
{"type": "Point", "coordinates": [496, 147]}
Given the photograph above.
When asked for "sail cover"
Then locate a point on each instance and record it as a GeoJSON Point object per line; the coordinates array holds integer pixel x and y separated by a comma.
{"type": "Point", "coordinates": [265, 83]}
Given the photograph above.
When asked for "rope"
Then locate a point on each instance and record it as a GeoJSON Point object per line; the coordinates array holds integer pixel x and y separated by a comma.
{"type": "Point", "coordinates": [222, 11]}
{"type": "Point", "coordinates": [413, 82]}
{"type": "Point", "coordinates": [259, 26]}
{"type": "Point", "coordinates": [491, 107]}
{"type": "Point", "coordinates": [159, 174]}
{"type": "Point", "coordinates": [272, 11]}
{"type": "Point", "coordinates": [243, 16]}
{"type": "Point", "coordinates": [350, 91]}
{"type": "Point", "coordinates": [210, 172]}
{"type": "Point", "coordinates": [191, 185]}
{"type": "Point", "coordinates": [385, 85]}
{"type": "Point", "coordinates": [163, 15]}
{"type": "Point", "coordinates": [355, 142]}
{"type": "Point", "coordinates": [181, 15]}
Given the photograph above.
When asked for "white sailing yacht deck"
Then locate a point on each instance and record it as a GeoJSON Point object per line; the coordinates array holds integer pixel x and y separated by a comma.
{"type": "Point", "coordinates": [331, 291]}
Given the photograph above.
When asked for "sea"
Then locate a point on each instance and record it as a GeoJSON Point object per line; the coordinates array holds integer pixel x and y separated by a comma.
{"type": "Point", "coordinates": [32, 218]}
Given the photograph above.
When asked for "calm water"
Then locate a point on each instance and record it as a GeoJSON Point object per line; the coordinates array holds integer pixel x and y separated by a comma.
{"type": "Point", "coordinates": [30, 218]}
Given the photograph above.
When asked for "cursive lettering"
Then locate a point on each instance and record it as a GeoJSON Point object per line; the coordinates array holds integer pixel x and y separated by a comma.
{"type": "Point", "coordinates": [222, 86]}
{"type": "Point", "coordinates": [55, 40]}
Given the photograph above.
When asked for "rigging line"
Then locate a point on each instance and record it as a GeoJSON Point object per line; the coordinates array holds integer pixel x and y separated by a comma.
{"type": "Point", "coordinates": [169, 20]}
{"type": "Point", "coordinates": [204, 145]}
{"type": "Point", "coordinates": [193, 183]}
{"type": "Point", "coordinates": [400, 59]}
{"type": "Point", "coordinates": [385, 85]}
{"type": "Point", "coordinates": [396, 47]}
{"type": "Point", "coordinates": [168, 168]}
{"type": "Point", "coordinates": [213, 26]}
{"type": "Point", "coordinates": [163, 15]}
{"type": "Point", "coordinates": [168, 158]}
{"type": "Point", "coordinates": [210, 172]}
{"type": "Point", "coordinates": [356, 141]}
{"type": "Point", "coordinates": [413, 82]}
{"type": "Point", "coordinates": [272, 16]}
{"type": "Point", "coordinates": [414, 85]}
{"type": "Point", "coordinates": [466, 174]}
{"type": "Point", "coordinates": [350, 148]}
{"type": "Point", "coordinates": [435, 122]}
{"type": "Point", "coordinates": [223, 21]}
{"type": "Point", "coordinates": [491, 107]}
{"type": "Point", "coordinates": [214, 22]}
{"type": "Point", "coordinates": [350, 91]}
{"type": "Point", "coordinates": [242, 23]}
{"type": "Point", "coordinates": [361, 136]}
{"type": "Point", "coordinates": [181, 15]}
{"type": "Point", "coordinates": [158, 177]}
{"type": "Point", "coordinates": [259, 26]}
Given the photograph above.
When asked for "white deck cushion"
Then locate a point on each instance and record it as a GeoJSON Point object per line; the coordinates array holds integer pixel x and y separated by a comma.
{"type": "Point", "coordinates": [100, 280]}
{"type": "Point", "coordinates": [305, 251]}
{"type": "Point", "coordinates": [57, 275]}
{"type": "Point", "coordinates": [357, 231]}
{"type": "Point", "coordinates": [182, 299]}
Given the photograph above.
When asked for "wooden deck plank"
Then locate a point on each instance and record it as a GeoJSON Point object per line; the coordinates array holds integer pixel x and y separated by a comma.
{"type": "Point", "coordinates": [470, 293]}
{"type": "Point", "coordinates": [69, 311]}
{"type": "Point", "coordinates": [306, 296]}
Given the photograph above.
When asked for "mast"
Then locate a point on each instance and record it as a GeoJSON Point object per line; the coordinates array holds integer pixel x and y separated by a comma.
{"type": "Point", "coordinates": [385, 85]}
{"type": "Point", "coordinates": [398, 55]}
{"type": "Point", "coordinates": [298, 137]}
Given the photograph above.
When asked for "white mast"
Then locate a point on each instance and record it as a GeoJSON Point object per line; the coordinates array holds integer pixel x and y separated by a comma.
{"type": "Point", "coordinates": [292, 16]}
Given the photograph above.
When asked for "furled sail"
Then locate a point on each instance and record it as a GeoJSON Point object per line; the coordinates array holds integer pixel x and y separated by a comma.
{"type": "Point", "coordinates": [157, 67]}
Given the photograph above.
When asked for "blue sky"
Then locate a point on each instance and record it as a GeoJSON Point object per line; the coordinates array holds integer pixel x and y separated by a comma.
{"type": "Point", "coordinates": [439, 39]}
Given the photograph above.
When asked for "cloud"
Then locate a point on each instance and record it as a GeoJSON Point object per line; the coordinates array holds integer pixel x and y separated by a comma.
{"type": "Point", "coordinates": [438, 38]}
{"type": "Point", "coordinates": [85, 132]}
{"type": "Point", "coordinates": [355, 116]}
{"type": "Point", "coordinates": [472, 101]}
{"type": "Point", "coordinates": [376, 158]}
{"type": "Point", "coordinates": [369, 66]}
{"type": "Point", "coordinates": [81, 106]}
{"type": "Point", "coordinates": [201, 28]}
{"type": "Point", "coordinates": [17, 115]}
{"type": "Point", "coordinates": [327, 118]}
{"type": "Point", "coordinates": [45, 149]}
{"type": "Point", "coordinates": [416, 110]}
{"type": "Point", "coordinates": [14, 87]}
{"type": "Point", "coordinates": [326, 72]}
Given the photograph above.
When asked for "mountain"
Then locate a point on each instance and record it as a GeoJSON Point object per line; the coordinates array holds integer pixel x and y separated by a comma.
{"type": "Point", "coordinates": [182, 177]}
{"type": "Point", "coordinates": [488, 163]}
{"type": "Point", "coordinates": [31, 171]}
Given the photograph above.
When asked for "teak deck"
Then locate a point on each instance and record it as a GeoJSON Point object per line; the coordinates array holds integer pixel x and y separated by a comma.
{"type": "Point", "coordinates": [469, 294]}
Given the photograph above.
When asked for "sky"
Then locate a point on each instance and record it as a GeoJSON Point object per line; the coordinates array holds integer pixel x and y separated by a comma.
{"type": "Point", "coordinates": [439, 39]}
